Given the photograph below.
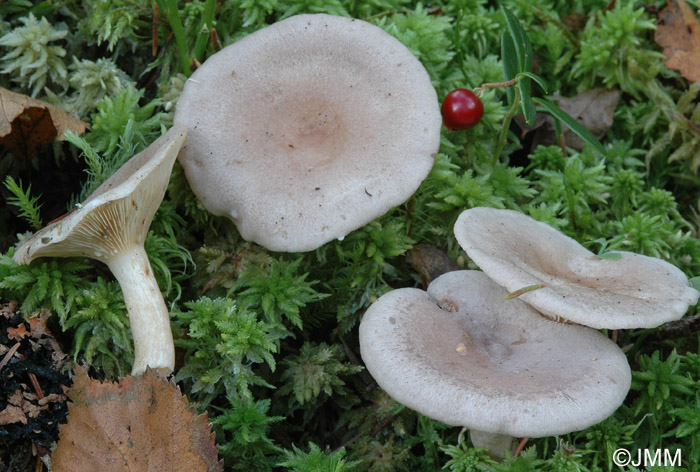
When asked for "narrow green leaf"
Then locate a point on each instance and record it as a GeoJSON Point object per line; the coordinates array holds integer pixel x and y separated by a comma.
{"type": "Point", "coordinates": [523, 290]}
{"type": "Point", "coordinates": [523, 47]}
{"type": "Point", "coordinates": [611, 256]}
{"type": "Point", "coordinates": [695, 282]}
{"type": "Point", "coordinates": [540, 81]}
{"type": "Point", "coordinates": [204, 30]}
{"type": "Point", "coordinates": [573, 125]}
{"type": "Point", "coordinates": [528, 106]}
{"type": "Point", "coordinates": [510, 63]}
{"type": "Point", "coordinates": [173, 16]}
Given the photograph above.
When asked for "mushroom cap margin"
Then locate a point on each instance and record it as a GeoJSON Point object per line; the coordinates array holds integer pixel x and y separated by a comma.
{"type": "Point", "coordinates": [634, 291]}
{"type": "Point", "coordinates": [117, 214]}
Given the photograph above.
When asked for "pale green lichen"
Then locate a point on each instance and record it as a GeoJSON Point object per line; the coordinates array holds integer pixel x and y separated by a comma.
{"type": "Point", "coordinates": [116, 22]}
{"type": "Point", "coordinates": [31, 60]}
{"type": "Point", "coordinates": [92, 81]}
{"type": "Point", "coordinates": [170, 93]}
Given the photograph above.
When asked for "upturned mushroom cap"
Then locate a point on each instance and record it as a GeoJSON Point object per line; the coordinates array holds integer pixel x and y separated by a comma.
{"type": "Point", "coordinates": [461, 354]}
{"type": "Point", "coordinates": [634, 291]}
{"type": "Point", "coordinates": [111, 226]}
{"type": "Point", "coordinates": [117, 214]}
{"type": "Point", "coordinates": [307, 129]}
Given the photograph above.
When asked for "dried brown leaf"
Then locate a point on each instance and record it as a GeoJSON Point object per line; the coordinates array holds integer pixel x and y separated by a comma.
{"type": "Point", "coordinates": [22, 405]}
{"type": "Point", "coordinates": [18, 333]}
{"type": "Point", "coordinates": [27, 124]}
{"type": "Point", "coordinates": [41, 333]}
{"type": "Point", "coordinates": [140, 423]}
{"type": "Point", "coordinates": [678, 32]}
{"type": "Point", "coordinates": [12, 414]}
{"type": "Point", "coordinates": [593, 109]}
{"type": "Point", "coordinates": [430, 262]}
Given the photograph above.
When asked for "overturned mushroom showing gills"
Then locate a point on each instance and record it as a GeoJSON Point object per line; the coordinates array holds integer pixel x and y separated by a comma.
{"type": "Point", "coordinates": [632, 291]}
{"type": "Point", "coordinates": [462, 354]}
{"type": "Point", "coordinates": [308, 129]}
{"type": "Point", "coordinates": [111, 226]}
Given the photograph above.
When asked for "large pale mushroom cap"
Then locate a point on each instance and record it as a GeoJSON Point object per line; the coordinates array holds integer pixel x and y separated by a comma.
{"type": "Point", "coordinates": [462, 354]}
{"type": "Point", "coordinates": [117, 214]}
{"type": "Point", "coordinates": [516, 251]}
{"type": "Point", "coordinates": [307, 129]}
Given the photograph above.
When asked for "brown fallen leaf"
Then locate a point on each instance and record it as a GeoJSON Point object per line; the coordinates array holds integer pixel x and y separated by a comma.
{"type": "Point", "coordinates": [12, 414]}
{"type": "Point", "coordinates": [27, 124]}
{"type": "Point", "coordinates": [430, 262]}
{"type": "Point", "coordinates": [17, 334]}
{"type": "Point", "coordinates": [43, 337]}
{"type": "Point", "coordinates": [678, 32]}
{"type": "Point", "coordinates": [593, 109]}
{"type": "Point", "coordinates": [32, 387]}
{"type": "Point", "coordinates": [140, 423]}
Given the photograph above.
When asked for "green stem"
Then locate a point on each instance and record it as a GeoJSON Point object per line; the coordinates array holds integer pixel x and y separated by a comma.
{"type": "Point", "coordinates": [174, 20]}
{"type": "Point", "coordinates": [502, 137]}
{"type": "Point", "coordinates": [456, 41]}
{"type": "Point", "coordinates": [204, 30]}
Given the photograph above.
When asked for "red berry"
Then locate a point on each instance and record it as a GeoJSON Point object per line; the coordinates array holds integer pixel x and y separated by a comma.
{"type": "Point", "coordinates": [461, 109]}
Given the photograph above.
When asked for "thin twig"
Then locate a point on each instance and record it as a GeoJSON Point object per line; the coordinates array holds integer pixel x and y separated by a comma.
{"type": "Point", "coordinates": [690, 123]}
{"type": "Point", "coordinates": [507, 83]}
{"type": "Point", "coordinates": [35, 384]}
{"type": "Point", "coordinates": [215, 40]}
{"type": "Point", "coordinates": [9, 355]}
{"type": "Point", "coordinates": [521, 446]}
{"type": "Point", "coordinates": [154, 32]}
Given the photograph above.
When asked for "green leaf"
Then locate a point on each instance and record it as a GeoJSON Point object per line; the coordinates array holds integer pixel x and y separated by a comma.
{"type": "Point", "coordinates": [204, 30]}
{"type": "Point", "coordinates": [528, 106]}
{"type": "Point", "coordinates": [611, 256]}
{"type": "Point", "coordinates": [510, 63]}
{"type": "Point", "coordinates": [573, 125]}
{"type": "Point", "coordinates": [523, 47]}
{"type": "Point", "coordinates": [695, 281]}
{"type": "Point", "coordinates": [540, 81]}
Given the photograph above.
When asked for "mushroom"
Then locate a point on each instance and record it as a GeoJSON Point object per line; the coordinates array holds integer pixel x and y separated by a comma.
{"type": "Point", "coordinates": [630, 291]}
{"type": "Point", "coordinates": [463, 355]}
{"type": "Point", "coordinates": [111, 226]}
{"type": "Point", "coordinates": [308, 129]}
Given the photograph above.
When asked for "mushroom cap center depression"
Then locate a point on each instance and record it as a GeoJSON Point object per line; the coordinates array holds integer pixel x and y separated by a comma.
{"type": "Point", "coordinates": [303, 131]}
{"type": "Point", "coordinates": [516, 363]}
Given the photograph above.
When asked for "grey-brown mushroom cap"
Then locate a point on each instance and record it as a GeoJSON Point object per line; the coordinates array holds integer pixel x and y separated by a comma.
{"type": "Point", "coordinates": [462, 354]}
{"type": "Point", "coordinates": [117, 214]}
{"type": "Point", "coordinates": [634, 291]}
{"type": "Point", "coordinates": [308, 129]}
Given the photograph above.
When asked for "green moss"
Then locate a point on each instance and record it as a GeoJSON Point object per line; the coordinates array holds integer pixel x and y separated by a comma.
{"type": "Point", "coordinates": [31, 60]}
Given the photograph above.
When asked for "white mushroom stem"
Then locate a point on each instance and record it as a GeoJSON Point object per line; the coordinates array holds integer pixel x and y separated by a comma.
{"type": "Point", "coordinates": [148, 314]}
{"type": "Point", "coordinates": [496, 444]}
{"type": "Point", "coordinates": [111, 226]}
